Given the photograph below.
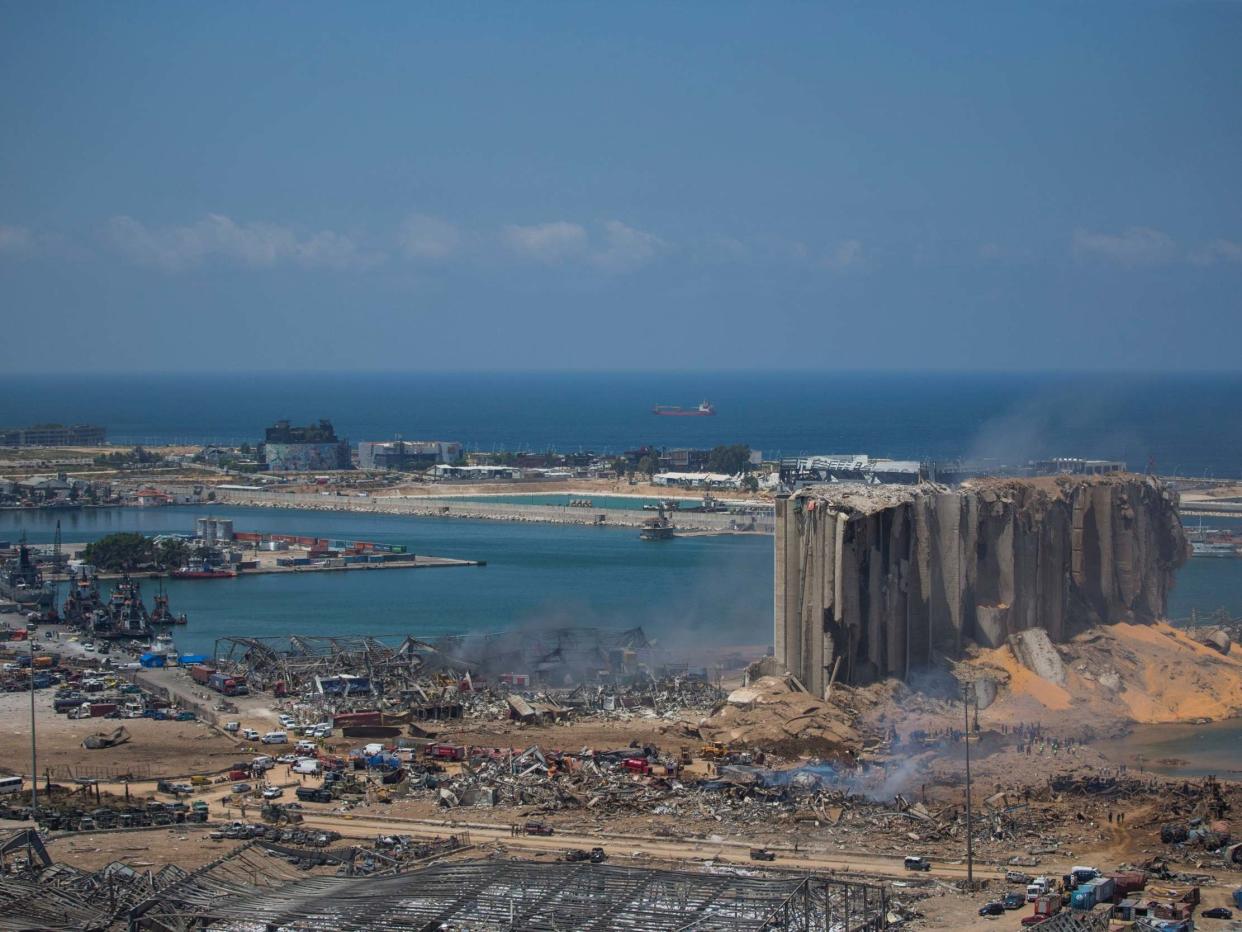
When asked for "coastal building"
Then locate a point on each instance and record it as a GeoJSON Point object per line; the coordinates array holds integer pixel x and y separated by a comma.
{"type": "Point", "coordinates": [52, 435]}
{"type": "Point", "coordinates": [848, 467]}
{"type": "Point", "coordinates": [697, 480]}
{"type": "Point", "coordinates": [304, 449]}
{"type": "Point", "coordinates": [407, 454]}
{"type": "Point", "coordinates": [150, 498]}
{"type": "Point", "coordinates": [476, 472]}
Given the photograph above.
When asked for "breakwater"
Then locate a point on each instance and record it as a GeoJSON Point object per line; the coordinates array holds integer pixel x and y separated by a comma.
{"type": "Point", "coordinates": [431, 507]}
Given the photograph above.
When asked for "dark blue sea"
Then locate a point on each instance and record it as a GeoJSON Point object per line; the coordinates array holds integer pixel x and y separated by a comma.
{"type": "Point", "coordinates": [1184, 423]}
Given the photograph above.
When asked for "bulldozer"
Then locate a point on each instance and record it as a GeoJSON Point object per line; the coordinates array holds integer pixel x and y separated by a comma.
{"type": "Point", "coordinates": [714, 751]}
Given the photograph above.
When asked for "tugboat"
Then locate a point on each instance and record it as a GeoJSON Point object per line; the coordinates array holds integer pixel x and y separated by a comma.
{"type": "Point", "coordinates": [21, 580]}
{"type": "Point", "coordinates": [161, 614]}
{"type": "Point", "coordinates": [125, 616]}
{"type": "Point", "coordinates": [83, 603]}
{"type": "Point", "coordinates": [659, 528]}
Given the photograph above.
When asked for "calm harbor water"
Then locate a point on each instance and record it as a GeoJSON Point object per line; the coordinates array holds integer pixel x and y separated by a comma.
{"type": "Point", "coordinates": [1181, 750]}
{"type": "Point", "coordinates": [711, 590]}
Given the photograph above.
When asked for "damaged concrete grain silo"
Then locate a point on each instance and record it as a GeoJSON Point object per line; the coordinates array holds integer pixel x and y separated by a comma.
{"type": "Point", "coordinates": [875, 581]}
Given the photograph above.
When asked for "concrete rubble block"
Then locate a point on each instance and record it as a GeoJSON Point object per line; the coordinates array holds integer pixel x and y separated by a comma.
{"type": "Point", "coordinates": [1035, 651]}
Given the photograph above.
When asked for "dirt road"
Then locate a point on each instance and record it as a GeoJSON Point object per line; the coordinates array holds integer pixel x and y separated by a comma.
{"type": "Point", "coordinates": [728, 852]}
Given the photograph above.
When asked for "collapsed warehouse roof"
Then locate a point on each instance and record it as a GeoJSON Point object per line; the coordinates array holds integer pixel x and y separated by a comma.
{"type": "Point", "coordinates": [552, 655]}
{"type": "Point", "coordinates": [499, 895]}
{"type": "Point", "coordinates": [876, 581]}
{"type": "Point", "coordinates": [263, 885]}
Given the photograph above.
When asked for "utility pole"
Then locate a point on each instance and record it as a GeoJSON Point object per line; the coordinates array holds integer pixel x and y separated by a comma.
{"type": "Point", "coordinates": [34, 760]}
{"type": "Point", "coordinates": [970, 841]}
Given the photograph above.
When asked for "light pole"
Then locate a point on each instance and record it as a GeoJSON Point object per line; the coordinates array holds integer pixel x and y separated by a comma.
{"type": "Point", "coordinates": [970, 841]}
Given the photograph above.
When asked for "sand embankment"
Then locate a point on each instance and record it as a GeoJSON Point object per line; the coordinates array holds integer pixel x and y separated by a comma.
{"type": "Point", "coordinates": [1122, 673]}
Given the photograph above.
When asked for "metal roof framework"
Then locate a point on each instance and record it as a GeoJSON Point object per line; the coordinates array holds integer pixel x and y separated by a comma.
{"type": "Point", "coordinates": [297, 660]}
{"type": "Point", "coordinates": [493, 895]}
{"type": "Point", "coordinates": [394, 664]}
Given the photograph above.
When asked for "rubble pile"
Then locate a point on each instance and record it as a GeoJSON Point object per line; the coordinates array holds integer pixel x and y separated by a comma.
{"type": "Point", "coordinates": [775, 715]}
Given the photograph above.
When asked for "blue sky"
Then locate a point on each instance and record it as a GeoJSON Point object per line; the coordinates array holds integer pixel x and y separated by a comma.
{"type": "Point", "coordinates": [622, 186]}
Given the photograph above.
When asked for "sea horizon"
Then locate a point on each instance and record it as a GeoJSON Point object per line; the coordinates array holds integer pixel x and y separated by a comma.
{"type": "Point", "coordinates": [1180, 423]}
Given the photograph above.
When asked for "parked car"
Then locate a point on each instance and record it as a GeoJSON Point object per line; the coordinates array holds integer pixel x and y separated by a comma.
{"type": "Point", "coordinates": [913, 863]}
{"type": "Point", "coordinates": [762, 854]}
{"type": "Point", "coordinates": [1014, 900]}
{"type": "Point", "coordinates": [241, 788]}
{"type": "Point", "coordinates": [250, 734]}
{"type": "Point", "coordinates": [232, 727]}
{"type": "Point", "coordinates": [1217, 912]}
{"type": "Point", "coordinates": [1018, 877]}
{"type": "Point", "coordinates": [994, 908]}
{"type": "Point", "coordinates": [538, 828]}
{"type": "Point", "coordinates": [273, 792]}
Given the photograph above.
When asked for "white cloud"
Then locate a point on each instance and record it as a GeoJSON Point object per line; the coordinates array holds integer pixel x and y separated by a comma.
{"type": "Point", "coordinates": [847, 254]}
{"type": "Point", "coordinates": [546, 242]}
{"type": "Point", "coordinates": [1221, 250]}
{"type": "Point", "coordinates": [258, 245]}
{"type": "Point", "coordinates": [15, 241]}
{"type": "Point", "coordinates": [626, 248]}
{"type": "Point", "coordinates": [1132, 247]}
{"type": "Point", "coordinates": [428, 238]}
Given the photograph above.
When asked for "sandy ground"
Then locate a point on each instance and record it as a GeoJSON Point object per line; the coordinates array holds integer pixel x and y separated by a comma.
{"type": "Point", "coordinates": [156, 749]}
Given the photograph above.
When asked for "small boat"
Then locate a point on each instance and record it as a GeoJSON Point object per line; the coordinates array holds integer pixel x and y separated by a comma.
{"type": "Point", "coordinates": [1209, 549]}
{"type": "Point", "coordinates": [660, 528]}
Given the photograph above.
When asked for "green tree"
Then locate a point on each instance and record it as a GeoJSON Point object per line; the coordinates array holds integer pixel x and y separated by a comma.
{"type": "Point", "coordinates": [647, 466]}
{"type": "Point", "coordinates": [750, 484]}
{"type": "Point", "coordinates": [732, 459]}
{"type": "Point", "coordinates": [244, 449]}
{"type": "Point", "coordinates": [116, 552]}
{"type": "Point", "coordinates": [172, 552]}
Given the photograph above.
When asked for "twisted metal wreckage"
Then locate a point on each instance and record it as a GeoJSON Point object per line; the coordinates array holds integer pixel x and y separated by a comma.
{"type": "Point", "coordinates": [256, 887]}
{"type": "Point", "coordinates": [550, 655]}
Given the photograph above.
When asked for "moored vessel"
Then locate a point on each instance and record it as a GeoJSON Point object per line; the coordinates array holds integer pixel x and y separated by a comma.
{"type": "Point", "coordinates": [705, 409]}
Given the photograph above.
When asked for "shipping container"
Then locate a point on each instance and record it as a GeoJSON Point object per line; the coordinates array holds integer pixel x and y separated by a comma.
{"type": "Point", "coordinates": [1083, 898]}
{"type": "Point", "coordinates": [100, 709]}
{"type": "Point", "coordinates": [1127, 882]}
{"type": "Point", "coordinates": [349, 719]}
{"type": "Point", "coordinates": [201, 673]}
{"type": "Point", "coordinates": [1104, 887]}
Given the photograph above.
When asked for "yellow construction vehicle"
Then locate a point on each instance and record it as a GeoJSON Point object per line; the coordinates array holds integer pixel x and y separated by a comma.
{"type": "Point", "coordinates": [714, 751]}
